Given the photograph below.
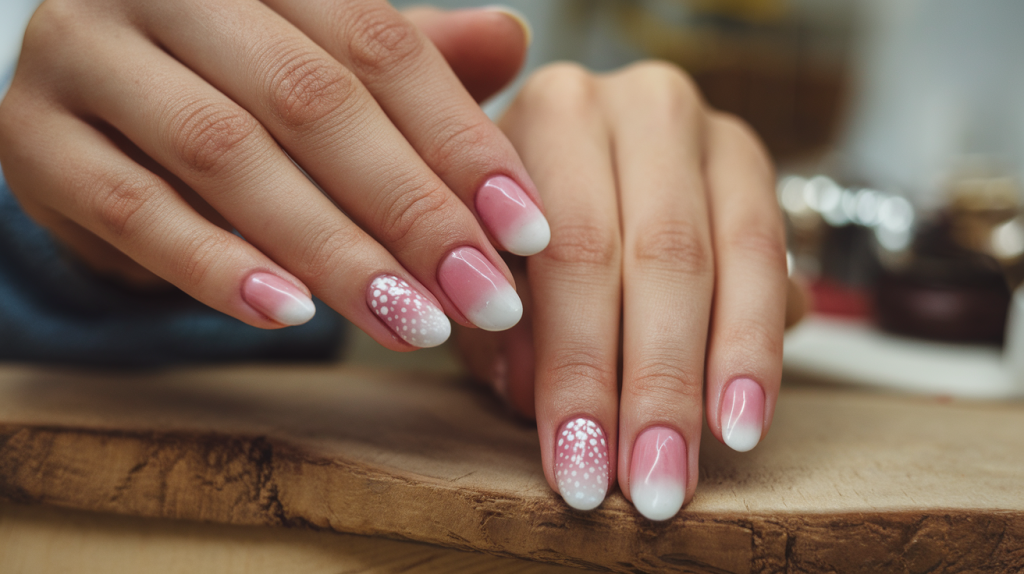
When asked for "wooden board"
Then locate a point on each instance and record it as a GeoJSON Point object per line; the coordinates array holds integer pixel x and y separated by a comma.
{"type": "Point", "coordinates": [44, 539]}
{"type": "Point", "coordinates": [845, 481]}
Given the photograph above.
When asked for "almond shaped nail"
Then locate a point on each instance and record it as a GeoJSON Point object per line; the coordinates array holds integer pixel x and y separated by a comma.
{"type": "Point", "coordinates": [581, 463]}
{"type": "Point", "coordinates": [407, 313]}
{"type": "Point", "coordinates": [742, 414]}
{"type": "Point", "coordinates": [479, 290]}
{"type": "Point", "coordinates": [657, 473]}
{"type": "Point", "coordinates": [512, 217]}
{"type": "Point", "coordinates": [277, 299]}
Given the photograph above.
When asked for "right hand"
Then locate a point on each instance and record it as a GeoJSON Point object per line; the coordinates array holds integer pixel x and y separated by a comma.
{"type": "Point", "coordinates": [141, 134]}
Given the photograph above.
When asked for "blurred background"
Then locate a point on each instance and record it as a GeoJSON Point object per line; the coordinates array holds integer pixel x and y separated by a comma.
{"type": "Point", "coordinates": [897, 128]}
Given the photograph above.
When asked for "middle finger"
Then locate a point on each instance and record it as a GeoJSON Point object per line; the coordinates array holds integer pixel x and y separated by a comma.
{"type": "Point", "coordinates": [668, 281]}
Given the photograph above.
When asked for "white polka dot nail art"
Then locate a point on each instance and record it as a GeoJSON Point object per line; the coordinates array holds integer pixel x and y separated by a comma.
{"type": "Point", "coordinates": [581, 463]}
{"type": "Point", "coordinates": [408, 314]}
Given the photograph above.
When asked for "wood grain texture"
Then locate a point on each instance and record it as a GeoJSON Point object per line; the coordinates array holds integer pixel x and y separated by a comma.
{"type": "Point", "coordinates": [845, 481]}
{"type": "Point", "coordinates": [43, 539]}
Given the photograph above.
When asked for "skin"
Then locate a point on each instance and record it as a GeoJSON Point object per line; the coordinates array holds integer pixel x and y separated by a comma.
{"type": "Point", "coordinates": [667, 262]}
{"type": "Point", "coordinates": [667, 246]}
{"type": "Point", "coordinates": [164, 149]}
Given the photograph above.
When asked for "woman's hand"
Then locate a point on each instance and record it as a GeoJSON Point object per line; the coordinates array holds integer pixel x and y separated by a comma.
{"type": "Point", "coordinates": [666, 244]}
{"type": "Point", "coordinates": [147, 132]}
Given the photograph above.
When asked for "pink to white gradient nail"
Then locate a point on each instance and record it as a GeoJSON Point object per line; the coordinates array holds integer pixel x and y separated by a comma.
{"type": "Point", "coordinates": [657, 473]}
{"type": "Point", "coordinates": [512, 217]}
{"type": "Point", "coordinates": [410, 315]}
{"type": "Point", "coordinates": [479, 290]}
{"type": "Point", "coordinates": [581, 463]}
{"type": "Point", "coordinates": [742, 414]}
{"type": "Point", "coordinates": [277, 299]}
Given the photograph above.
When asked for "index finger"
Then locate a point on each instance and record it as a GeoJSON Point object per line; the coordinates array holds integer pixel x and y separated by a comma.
{"type": "Point", "coordinates": [420, 93]}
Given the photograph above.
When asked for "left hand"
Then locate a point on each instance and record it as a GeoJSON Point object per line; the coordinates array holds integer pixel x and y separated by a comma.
{"type": "Point", "coordinates": [667, 243]}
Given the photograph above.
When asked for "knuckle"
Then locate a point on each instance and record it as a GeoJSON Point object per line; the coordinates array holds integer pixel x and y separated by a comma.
{"type": "Point", "coordinates": [381, 40]}
{"type": "Point", "coordinates": [119, 203]}
{"type": "Point", "coordinates": [562, 88]}
{"type": "Point", "coordinates": [580, 370]}
{"type": "Point", "coordinates": [586, 244]}
{"type": "Point", "coordinates": [745, 139]}
{"type": "Point", "coordinates": [665, 89]}
{"type": "Point", "coordinates": [306, 88]}
{"type": "Point", "coordinates": [673, 246]}
{"type": "Point", "coordinates": [197, 257]}
{"type": "Point", "coordinates": [453, 140]}
{"type": "Point", "coordinates": [663, 380]}
{"type": "Point", "coordinates": [319, 256]}
{"type": "Point", "coordinates": [205, 137]}
{"type": "Point", "coordinates": [420, 207]}
{"type": "Point", "coordinates": [752, 340]}
{"type": "Point", "coordinates": [52, 24]}
{"type": "Point", "coordinates": [762, 244]}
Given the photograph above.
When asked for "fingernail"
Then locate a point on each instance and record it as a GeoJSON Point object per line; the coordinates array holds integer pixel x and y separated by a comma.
{"type": "Point", "coordinates": [479, 290]}
{"type": "Point", "coordinates": [277, 299]}
{"type": "Point", "coordinates": [512, 217]}
{"type": "Point", "coordinates": [742, 414]}
{"type": "Point", "coordinates": [657, 473]}
{"type": "Point", "coordinates": [408, 314]}
{"type": "Point", "coordinates": [581, 463]}
{"type": "Point", "coordinates": [518, 17]}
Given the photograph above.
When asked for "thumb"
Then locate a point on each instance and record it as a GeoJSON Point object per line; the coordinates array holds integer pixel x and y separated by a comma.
{"type": "Point", "coordinates": [485, 47]}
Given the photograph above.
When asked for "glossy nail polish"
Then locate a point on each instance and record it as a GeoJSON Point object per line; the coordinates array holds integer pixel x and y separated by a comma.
{"type": "Point", "coordinates": [581, 463]}
{"type": "Point", "coordinates": [277, 299]}
{"type": "Point", "coordinates": [742, 414]}
{"type": "Point", "coordinates": [479, 290]}
{"type": "Point", "coordinates": [657, 473]}
{"type": "Point", "coordinates": [512, 217]}
{"type": "Point", "coordinates": [410, 315]}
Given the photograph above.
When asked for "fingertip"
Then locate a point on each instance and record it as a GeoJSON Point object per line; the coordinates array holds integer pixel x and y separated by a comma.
{"type": "Point", "coordinates": [518, 17]}
{"type": "Point", "coordinates": [277, 299]}
{"type": "Point", "coordinates": [742, 415]}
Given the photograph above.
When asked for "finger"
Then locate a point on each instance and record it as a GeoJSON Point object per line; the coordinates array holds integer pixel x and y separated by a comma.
{"type": "Point", "coordinates": [220, 151]}
{"type": "Point", "coordinates": [333, 127]}
{"type": "Point", "coordinates": [574, 282]}
{"type": "Point", "coordinates": [100, 188]}
{"type": "Point", "coordinates": [749, 316]}
{"type": "Point", "coordinates": [418, 91]}
{"type": "Point", "coordinates": [484, 48]}
{"type": "Point", "coordinates": [505, 360]}
{"type": "Point", "coordinates": [657, 120]}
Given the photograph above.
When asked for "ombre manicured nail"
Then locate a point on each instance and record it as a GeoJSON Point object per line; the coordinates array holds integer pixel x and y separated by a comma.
{"type": "Point", "coordinates": [512, 217]}
{"type": "Point", "coordinates": [742, 414]}
{"type": "Point", "coordinates": [277, 299]}
{"type": "Point", "coordinates": [581, 463]}
{"type": "Point", "coordinates": [657, 473]}
{"type": "Point", "coordinates": [479, 290]}
{"type": "Point", "coordinates": [410, 315]}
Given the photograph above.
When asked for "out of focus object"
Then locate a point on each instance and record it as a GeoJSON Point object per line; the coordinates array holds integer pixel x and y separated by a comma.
{"type": "Point", "coordinates": [782, 65]}
{"type": "Point", "coordinates": [956, 283]}
{"type": "Point", "coordinates": [1013, 348]}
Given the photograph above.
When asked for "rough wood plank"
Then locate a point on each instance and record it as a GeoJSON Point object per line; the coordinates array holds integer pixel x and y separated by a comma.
{"type": "Point", "coordinates": [846, 481]}
{"type": "Point", "coordinates": [41, 539]}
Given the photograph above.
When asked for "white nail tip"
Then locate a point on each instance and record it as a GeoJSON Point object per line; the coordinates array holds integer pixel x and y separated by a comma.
{"type": "Point", "coordinates": [742, 437]}
{"type": "Point", "coordinates": [408, 314]}
{"type": "Point", "coordinates": [531, 238]}
{"type": "Point", "coordinates": [499, 312]}
{"type": "Point", "coordinates": [583, 501]}
{"type": "Point", "coordinates": [659, 500]}
{"type": "Point", "coordinates": [295, 311]}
